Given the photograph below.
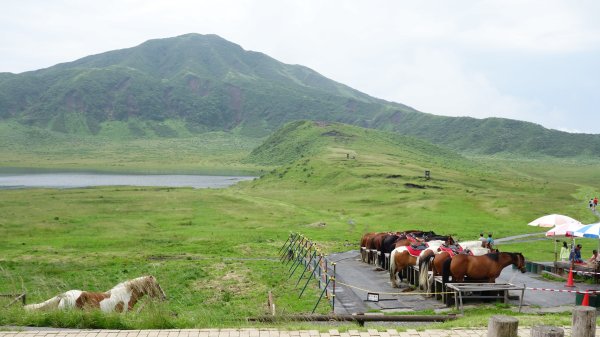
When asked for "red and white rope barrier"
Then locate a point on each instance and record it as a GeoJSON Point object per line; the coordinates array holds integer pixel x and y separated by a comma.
{"type": "Point", "coordinates": [566, 291]}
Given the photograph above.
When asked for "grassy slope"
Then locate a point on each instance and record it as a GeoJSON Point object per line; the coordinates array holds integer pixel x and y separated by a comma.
{"type": "Point", "coordinates": [206, 83]}
{"type": "Point", "coordinates": [208, 247]}
{"type": "Point", "coordinates": [116, 150]}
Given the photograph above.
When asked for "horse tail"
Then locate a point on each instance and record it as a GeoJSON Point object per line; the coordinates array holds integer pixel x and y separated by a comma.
{"type": "Point", "coordinates": [424, 261]}
{"type": "Point", "coordinates": [393, 268]}
{"type": "Point", "coordinates": [424, 271]}
{"type": "Point", "coordinates": [49, 304]}
{"type": "Point", "coordinates": [446, 271]}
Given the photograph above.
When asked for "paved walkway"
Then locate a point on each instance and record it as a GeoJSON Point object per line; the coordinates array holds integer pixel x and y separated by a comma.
{"type": "Point", "coordinates": [523, 332]}
{"type": "Point", "coordinates": [356, 279]}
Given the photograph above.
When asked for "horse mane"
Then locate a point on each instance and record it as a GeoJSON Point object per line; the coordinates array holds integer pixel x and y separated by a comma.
{"type": "Point", "coordinates": [493, 256]}
{"type": "Point", "coordinates": [515, 256]}
{"type": "Point", "coordinates": [496, 255]}
{"type": "Point", "coordinates": [140, 284]}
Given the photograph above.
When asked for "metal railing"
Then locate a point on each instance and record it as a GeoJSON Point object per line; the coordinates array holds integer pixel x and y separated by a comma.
{"type": "Point", "coordinates": [299, 251]}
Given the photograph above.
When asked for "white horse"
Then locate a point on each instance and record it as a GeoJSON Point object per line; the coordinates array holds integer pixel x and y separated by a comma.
{"type": "Point", "coordinates": [475, 247]}
{"type": "Point", "coordinates": [120, 298]}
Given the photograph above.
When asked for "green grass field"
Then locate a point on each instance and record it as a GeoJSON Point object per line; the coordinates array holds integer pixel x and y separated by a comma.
{"type": "Point", "coordinates": [215, 251]}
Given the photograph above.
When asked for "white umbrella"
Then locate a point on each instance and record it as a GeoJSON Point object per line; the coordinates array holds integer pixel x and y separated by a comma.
{"type": "Point", "coordinates": [589, 231]}
{"type": "Point", "coordinates": [565, 229]}
{"type": "Point", "coordinates": [551, 220]}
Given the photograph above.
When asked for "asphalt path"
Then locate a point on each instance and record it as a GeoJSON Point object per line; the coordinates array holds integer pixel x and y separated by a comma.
{"type": "Point", "coordinates": [355, 279]}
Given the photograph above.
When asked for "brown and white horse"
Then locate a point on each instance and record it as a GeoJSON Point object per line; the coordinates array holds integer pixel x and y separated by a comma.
{"type": "Point", "coordinates": [120, 298]}
{"type": "Point", "coordinates": [401, 258]}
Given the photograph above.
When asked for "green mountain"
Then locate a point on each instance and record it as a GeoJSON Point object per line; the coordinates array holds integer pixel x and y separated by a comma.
{"type": "Point", "coordinates": [204, 83]}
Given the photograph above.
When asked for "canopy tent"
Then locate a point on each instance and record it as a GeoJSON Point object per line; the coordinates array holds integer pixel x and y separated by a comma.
{"type": "Point", "coordinates": [566, 229]}
{"type": "Point", "coordinates": [552, 220]}
{"type": "Point", "coordinates": [589, 231]}
{"type": "Point", "coordinates": [557, 221]}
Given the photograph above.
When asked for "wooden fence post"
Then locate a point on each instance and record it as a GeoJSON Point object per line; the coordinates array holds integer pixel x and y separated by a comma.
{"type": "Point", "coordinates": [547, 331]}
{"type": "Point", "coordinates": [502, 326]}
{"type": "Point", "coordinates": [584, 322]}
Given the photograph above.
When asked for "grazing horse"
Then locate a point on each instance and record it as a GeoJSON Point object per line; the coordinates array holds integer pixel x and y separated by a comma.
{"type": "Point", "coordinates": [120, 298]}
{"type": "Point", "coordinates": [401, 257]}
{"type": "Point", "coordinates": [484, 268]}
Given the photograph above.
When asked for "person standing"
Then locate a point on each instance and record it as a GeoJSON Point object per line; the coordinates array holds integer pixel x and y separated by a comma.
{"type": "Point", "coordinates": [490, 241]}
{"type": "Point", "coordinates": [595, 202]}
{"type": "Point", "coordinates": [564, 252]}
{"type": "Point", "coordinates": [483, 240]}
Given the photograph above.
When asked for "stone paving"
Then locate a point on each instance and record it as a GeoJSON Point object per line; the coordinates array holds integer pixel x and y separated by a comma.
{"type": "Point", "coordinates": [523, 332]}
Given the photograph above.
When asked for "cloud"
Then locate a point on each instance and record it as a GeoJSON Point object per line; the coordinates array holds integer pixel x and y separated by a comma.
{"type": "Point", "coordinates": [414, 52]}
{"type": "Point", "coordinates": [438, 82]}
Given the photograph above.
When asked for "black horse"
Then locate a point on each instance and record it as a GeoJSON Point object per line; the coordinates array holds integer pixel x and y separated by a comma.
{"type": "Point", "coordinates": [388, 245]}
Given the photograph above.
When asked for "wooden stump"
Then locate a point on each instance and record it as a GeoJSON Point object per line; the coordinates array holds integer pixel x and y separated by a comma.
{"type": "Point", "coordinates": [502, 326]}
{"type": "Point", "coordinates": [547, 331]}
{"type": "Point", "coordinates": [584, 322]}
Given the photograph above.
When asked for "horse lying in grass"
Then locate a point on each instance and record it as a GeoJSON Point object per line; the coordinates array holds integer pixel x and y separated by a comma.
{"type": "Point", "coordinates": [120, 298]}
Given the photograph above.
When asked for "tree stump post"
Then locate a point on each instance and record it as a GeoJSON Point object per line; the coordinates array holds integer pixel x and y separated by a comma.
{"type": "Point", "coordinates": [502, 326]}
{"type": "Point", "coordinates": [584, 322]}
{"type": "Point", "coordinates": [547, 331]}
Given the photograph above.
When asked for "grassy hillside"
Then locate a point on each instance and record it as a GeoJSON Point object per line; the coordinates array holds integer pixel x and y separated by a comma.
{"type": "Point", "coordinates": [204, 81]}
{"type": "Point", "coordinates": [493, 136]}
{"type": "Point", "coordinates": [193, 84]}
{"type": "Point", "coordinates": [214, 251]}
{"type": "Point", "coordinates": [379, 178]}
{"type": "Point", "coordinates": [115, 150]}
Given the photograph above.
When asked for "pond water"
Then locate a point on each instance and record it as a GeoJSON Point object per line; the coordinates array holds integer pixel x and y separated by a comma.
{"type": "Point", "coordinates": [78, 180]}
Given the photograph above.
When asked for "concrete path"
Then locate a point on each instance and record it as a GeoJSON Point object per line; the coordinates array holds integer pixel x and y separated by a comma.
{"type": "Point", "coordinates": [355, 279]}
{"type": "Point", "coordinates": [522, 332]}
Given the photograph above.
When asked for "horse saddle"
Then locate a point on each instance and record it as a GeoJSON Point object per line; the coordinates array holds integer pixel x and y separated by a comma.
{"type": "Point", "coordinates": [412, 238]}
{"type": "Point", "coordinates": [451, 249]}
{"type": "Point", "coordinates": [415, 250]}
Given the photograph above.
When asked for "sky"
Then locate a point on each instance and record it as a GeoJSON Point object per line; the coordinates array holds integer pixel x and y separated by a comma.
{"type": "Point", "coordinates": [536, 61]}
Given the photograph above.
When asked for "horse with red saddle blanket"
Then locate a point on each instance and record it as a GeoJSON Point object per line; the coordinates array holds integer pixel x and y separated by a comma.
{"type": "Point", "coordinates": [405, 256]}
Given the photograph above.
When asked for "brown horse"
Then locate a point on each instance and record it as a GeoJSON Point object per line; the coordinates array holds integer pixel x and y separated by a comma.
{"type": "Point", "coordinates": [375, 245]}
{"type": "Point", "coordinates": [363, 245]}
{"type": "Point", "coordinates": [483, 268]}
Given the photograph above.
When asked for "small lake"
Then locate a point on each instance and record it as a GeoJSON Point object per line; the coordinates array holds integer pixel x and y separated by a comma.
{"type": "Point", "coordinates": [78, 180]}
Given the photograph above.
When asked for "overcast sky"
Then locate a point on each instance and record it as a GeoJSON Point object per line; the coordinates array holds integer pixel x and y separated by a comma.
{"type": "Point", "coordinates": [536, 61]}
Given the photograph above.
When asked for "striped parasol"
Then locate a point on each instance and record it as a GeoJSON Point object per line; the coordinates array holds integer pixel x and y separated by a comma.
{"type": "Point", "coordinates": [589, 231]}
